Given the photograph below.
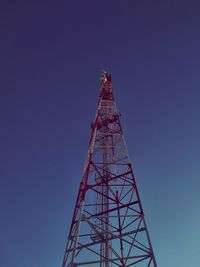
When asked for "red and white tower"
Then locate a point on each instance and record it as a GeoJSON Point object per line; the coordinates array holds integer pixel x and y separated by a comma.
{"type": "Point", "coordinates": [108, 226]}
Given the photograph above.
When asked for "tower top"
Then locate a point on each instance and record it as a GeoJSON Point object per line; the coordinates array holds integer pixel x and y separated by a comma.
{"type": "Point", "coordinates": [106, 91]}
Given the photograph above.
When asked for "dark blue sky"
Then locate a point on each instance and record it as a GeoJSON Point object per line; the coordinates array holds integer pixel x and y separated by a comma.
{"type": "Point", "coordinates": [51, 55]}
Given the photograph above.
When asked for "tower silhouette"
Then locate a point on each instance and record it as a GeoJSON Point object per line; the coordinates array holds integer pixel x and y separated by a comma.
{"type": "Point", "coordinates": [108, 226]}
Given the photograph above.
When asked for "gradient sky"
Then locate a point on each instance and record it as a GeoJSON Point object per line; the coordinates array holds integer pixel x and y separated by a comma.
{"type": "Point", "coordinates": [51, 55]}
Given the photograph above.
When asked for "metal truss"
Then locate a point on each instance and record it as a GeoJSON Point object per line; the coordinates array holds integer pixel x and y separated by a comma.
{"type": "Point", "coordinates": [108, 227]}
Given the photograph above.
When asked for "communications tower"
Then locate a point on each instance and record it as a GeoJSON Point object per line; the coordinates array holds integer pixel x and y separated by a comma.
{"type": "Point", "coordinates": [108, 227]}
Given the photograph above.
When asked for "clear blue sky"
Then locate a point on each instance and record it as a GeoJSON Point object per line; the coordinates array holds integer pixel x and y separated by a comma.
{"type": "Point", "coordinates": [51, 55]}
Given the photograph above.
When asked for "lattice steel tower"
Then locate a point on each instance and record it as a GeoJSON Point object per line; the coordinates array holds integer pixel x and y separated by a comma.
{"type": "Point", "coordinates": [108, 227]}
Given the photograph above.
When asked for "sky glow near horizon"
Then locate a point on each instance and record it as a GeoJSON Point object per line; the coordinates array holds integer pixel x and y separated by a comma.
{"type": "Point", "coordinates": [51, 59]}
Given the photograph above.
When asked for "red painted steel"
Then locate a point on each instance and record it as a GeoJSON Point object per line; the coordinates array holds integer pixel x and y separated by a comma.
{"type": "Point", "coordinates": [108, 227]}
